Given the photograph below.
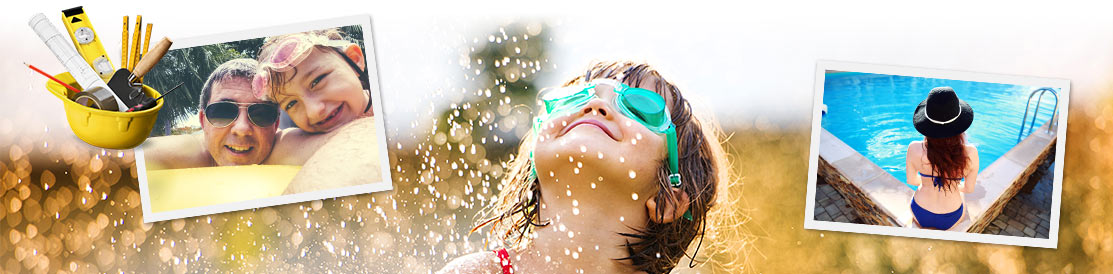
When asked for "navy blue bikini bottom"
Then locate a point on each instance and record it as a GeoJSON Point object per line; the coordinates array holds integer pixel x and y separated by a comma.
{"type": "Point", "coordinates": [928, 219]}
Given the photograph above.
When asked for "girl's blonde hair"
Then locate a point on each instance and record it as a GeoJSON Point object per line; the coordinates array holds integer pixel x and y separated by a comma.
{"type": "Point", "coordinates": [658, 247]}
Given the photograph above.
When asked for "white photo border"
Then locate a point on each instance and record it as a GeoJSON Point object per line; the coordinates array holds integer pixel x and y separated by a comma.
{"type": "Point", "coordinates": [384, 184]}
{"type": "Point", "coordinates": [823, 66]}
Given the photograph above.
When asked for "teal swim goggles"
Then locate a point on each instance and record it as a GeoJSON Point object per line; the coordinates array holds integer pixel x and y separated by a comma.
{"type": "Point", "coordinates": [644, 106]}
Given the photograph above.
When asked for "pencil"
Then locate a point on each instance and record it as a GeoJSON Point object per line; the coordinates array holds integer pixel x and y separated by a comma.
{"type": "Point", "coordinates": [124, 45]}
{"type": "Point", "coordinates": [135, 42]}
{"type": "Point", "coordinates": [75, 90]}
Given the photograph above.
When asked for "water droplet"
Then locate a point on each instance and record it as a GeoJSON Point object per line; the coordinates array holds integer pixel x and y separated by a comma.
{"type": "Point", "coordinates": [634, 196]}
{"type": "Point", "coordinates": [633, 175]}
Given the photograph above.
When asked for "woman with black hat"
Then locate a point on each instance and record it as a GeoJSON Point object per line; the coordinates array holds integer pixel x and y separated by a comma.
{"type": "Point", "coordinates": [942, 160]}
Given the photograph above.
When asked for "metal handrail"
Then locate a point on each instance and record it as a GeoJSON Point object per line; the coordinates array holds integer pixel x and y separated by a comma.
{"type": "Point", "coordinates": [1054, 111]}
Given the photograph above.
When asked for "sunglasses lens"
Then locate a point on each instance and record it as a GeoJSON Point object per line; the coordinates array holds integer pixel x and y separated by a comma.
{"type": "Point", "coordinates": [263, 115]}
{"type": "Point", "coordinates": [221, 114]}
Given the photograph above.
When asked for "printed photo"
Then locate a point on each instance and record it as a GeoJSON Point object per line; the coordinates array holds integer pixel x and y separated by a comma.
{"type": "Point", "coordinates": [265, 117]}
{"type": "Point", "coordinates": [937, 154]}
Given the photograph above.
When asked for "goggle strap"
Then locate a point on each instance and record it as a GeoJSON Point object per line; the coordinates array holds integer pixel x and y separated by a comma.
{"type": "Point", "coordinates": [536, 131]}
{"type": "Point", "coordinates": [674, 164]}
{"type": "Point", "coordinates": [674, 157]}
{"type": "Point", "coordinates": [533, 166]}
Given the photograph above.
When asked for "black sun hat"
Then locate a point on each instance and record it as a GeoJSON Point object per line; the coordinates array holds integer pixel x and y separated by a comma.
{"type": "Point", "coordinates": [942, 114]}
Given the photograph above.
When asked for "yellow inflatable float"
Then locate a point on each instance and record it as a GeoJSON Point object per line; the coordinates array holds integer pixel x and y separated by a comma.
{"type": "Point", "coordinates": [173, 189]}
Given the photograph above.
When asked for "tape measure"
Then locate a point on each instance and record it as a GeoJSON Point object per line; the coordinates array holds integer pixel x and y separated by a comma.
{"type": "Point", "coordinates": [87, 43]}
{"type": "Point", "coordinates": [98, 98]}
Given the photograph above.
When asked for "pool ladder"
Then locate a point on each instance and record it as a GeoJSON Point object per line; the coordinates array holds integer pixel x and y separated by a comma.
{"type": "Point", "coordinates": [1032, 125]}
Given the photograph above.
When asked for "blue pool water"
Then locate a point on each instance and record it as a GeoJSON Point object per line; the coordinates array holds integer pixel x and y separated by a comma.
{"type": "Point", "coordinates": [872, 113]}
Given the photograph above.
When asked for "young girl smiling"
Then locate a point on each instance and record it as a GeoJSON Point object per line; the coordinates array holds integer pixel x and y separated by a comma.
{"type": "Point", "coordinates": [318, 78]}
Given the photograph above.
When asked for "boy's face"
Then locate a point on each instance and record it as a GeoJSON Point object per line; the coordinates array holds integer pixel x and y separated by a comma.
{"type": "Point", "coordinates": [241, 142]}
{"type": "Point", "coordinates": [598, 139]}
{"type": "Point", "coordinates": [323, 92]}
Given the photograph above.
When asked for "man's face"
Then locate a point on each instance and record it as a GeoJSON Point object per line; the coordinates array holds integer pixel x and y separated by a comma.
{"type": "Point", "coordinates": [241, 142]}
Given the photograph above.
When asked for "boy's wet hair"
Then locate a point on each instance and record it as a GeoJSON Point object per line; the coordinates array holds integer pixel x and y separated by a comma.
{"type": "Point", "coordinates": [658, 247]}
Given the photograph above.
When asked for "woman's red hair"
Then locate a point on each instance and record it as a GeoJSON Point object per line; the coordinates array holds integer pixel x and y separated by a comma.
{"type": "Point", "coordinates": [948, 159]}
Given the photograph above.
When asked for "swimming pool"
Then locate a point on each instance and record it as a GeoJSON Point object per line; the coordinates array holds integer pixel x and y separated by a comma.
{"type": "Point", "coordinates": [872, 113]}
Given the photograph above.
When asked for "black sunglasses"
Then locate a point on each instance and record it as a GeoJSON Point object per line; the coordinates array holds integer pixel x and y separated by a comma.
{"type": "Point", "coordinates": [222, 114]}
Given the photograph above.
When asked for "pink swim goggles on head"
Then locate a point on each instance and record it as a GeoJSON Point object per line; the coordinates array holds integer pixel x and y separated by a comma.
{"type": "Point", "coordinates": [289, 52]}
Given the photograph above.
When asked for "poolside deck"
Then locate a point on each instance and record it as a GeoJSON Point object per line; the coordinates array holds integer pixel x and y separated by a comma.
{"type": "Point", "coordinates": [1000, 182]}
{"type": "Point", "coordinates": [1028, 213]}
{"type": "Point", "coordinates": [880, 199]}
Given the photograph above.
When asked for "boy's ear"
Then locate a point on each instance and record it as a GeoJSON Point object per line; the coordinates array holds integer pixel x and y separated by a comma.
{"type": "Point", "coordinates": [673, 210]}
{"type": "Point", "coordinates": [356, 54]}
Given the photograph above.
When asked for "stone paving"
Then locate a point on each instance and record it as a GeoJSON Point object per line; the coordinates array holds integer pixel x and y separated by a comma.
{"type": "Point", "coordinates": [831, 206]}
{"type": "Point", "coordinates": [1028, 213]}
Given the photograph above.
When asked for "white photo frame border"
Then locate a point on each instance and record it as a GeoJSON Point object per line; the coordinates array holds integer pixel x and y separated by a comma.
{"type": "Point", "coordinates": [823, 66]}
{"type": "Point", "coordinates": [384, 184]}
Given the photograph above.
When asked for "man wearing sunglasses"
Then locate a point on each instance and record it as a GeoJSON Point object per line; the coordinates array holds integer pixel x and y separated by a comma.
{"type": "Point", "coordinates": [239, 129]}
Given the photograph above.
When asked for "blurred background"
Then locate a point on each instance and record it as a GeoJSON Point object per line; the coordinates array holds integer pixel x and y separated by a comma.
{"type": "Point", "coordinates": [458, 82]}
